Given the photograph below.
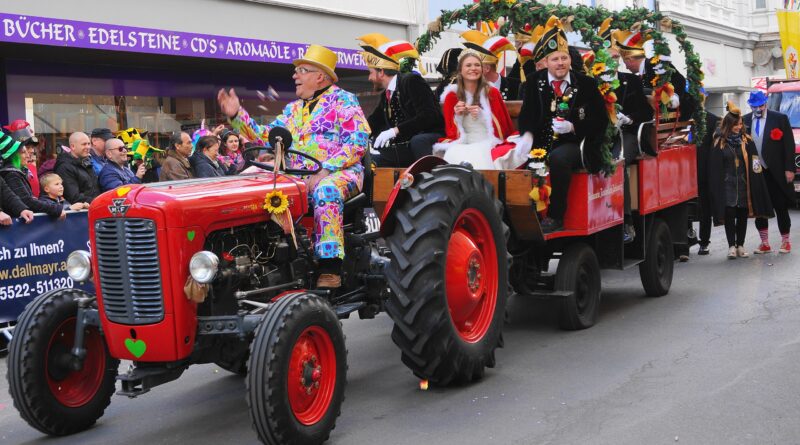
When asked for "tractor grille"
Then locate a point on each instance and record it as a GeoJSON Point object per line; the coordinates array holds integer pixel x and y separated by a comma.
{"type": "Point", "coordinates": [127, 260]}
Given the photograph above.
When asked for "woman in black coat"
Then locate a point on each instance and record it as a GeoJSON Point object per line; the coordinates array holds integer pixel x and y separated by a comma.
{"type": "Point", "coordinates": [736, 185]}
{"type": "Point", "coordinates": [204, 161]}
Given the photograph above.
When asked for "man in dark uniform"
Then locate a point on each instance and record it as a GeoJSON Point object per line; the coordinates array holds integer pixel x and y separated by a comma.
{"type": "Point", "coordinates": [491, 48]}
{"type": "Point", "coordinates": [772, 133]}
{"type": "Point", "coordinates": [408, 119]}
{"type": "Point", "coordinates": [564, 113]}
{"type": "Point", "coordinates": [635, 111]}
{"type": "Point", "coordinates": [631, 47]}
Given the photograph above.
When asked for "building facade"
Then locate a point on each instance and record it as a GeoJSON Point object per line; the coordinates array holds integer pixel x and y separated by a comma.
{"type": "Point", "coordinates": [157, 65]}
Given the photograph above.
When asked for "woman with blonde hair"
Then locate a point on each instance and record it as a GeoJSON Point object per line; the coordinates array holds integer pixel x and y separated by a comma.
{"type": "Point", "coordinates": [477, 122]}
{"type": "Point", "coordinates": [736, 184]}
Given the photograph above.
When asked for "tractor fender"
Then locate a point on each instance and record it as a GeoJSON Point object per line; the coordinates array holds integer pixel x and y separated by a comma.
{"type": "Point", "coordinates": [399, 191]}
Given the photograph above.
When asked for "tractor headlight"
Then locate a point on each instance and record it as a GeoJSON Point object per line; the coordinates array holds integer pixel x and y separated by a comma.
{"type": "Point", "coordinates": [203, 266]}
{"type": "Point", "coordinates": [79, 265]}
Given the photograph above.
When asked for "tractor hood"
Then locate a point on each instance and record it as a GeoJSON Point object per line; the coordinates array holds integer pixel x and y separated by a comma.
{"type": "Point", "coordinates": [202, 202]}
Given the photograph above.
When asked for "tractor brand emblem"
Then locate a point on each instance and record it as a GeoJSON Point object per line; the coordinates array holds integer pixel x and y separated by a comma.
{"type": "Point", "coordinates": [118, 207]}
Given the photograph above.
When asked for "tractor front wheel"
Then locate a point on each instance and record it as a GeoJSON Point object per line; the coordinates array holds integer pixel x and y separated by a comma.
{"type": "Point", "coordinates": [297, 371]}
{"type": "Point", "coordinates": [49, 393]}
{"type": "Point", "coordinates": [448, 275]}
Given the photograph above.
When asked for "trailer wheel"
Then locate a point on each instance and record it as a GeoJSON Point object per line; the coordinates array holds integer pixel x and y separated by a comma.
{"type": "Point", "coordinates": [297, 372]}
{"type": "Point", "coordinates": [449, 276]}
{"type": "Point", "coordinates": [51, 396]}
{"type": "Point", "coordinates": [656, 269]}
{"type": "Point", "coordinates": [578, 271]}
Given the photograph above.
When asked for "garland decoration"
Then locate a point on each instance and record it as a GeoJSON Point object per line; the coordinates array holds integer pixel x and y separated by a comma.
{"type": "Point", "coordinates": [513, 15]}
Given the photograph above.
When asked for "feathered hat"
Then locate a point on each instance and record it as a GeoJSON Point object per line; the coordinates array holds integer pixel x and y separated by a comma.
{"type": "Point", "coordinates": [631, 42]}
{"type": "Point", "coordinates": [380, 52]}
{"type": "Point", "coordinates": [733, 109]}
{"type": "Point", "coordinates": [489, 47]}
{"type": "Point", "coordinates": [553, 39]}
{"type": "Point", "coordinates": [604, 32]}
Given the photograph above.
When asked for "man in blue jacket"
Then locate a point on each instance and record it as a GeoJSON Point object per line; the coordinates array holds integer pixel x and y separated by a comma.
{"type": "Point", "coordinates": [116, 172]}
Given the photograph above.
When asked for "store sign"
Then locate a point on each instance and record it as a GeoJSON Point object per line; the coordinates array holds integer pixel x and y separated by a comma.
{"type": "Point", "coordinates": [74, 34]}
{"type": "Point", "coordinates": [33, 259]}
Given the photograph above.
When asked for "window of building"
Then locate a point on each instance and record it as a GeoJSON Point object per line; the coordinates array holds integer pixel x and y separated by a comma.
{"type": "Point", "coordinates": [761, 4]}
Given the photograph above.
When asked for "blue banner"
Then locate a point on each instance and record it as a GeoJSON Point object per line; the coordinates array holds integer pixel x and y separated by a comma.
{"type": "Point", "coordinates": [33, 259]}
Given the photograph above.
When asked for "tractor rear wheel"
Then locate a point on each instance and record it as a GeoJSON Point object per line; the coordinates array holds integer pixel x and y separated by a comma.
{"type": "Point", "coordinates": [297, 371]}
{"type": "Point", "coordinates": [579, 271]}
{"type": "Point", "coordinates": [50, 395]}
{"type": "Point", "coordinates": [656, 270]}
{"type": "Point", "coordinates": [448, 275]}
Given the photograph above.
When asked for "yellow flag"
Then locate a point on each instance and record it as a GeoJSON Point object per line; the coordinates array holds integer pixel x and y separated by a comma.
{"type": "Point", "coordinates": [789, 26]}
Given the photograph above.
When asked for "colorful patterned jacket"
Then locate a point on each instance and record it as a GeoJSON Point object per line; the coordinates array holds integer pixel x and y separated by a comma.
{"type": "Point", "coordinates": [336, 132]}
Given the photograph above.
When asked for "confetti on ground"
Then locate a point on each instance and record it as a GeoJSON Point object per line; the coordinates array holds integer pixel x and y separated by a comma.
{"type": "Point", "coordinates": [423, 385]}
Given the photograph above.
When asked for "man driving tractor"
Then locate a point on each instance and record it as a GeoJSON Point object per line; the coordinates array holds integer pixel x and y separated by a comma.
{"type": "Point", "coordinates": [326, 123]}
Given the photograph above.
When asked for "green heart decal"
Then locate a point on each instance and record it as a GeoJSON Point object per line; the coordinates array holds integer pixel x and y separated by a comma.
{"type": "Point", "coordinates": [190, 235]}
{"type": "Point", "coordinates": [136, 347]}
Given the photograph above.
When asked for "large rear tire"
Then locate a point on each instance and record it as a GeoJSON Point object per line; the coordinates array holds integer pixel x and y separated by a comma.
{"type": "Point", "coordinates": [49, 395]}
{"type": "Point", "coordinates": [448, 275]}
{"type": "Point", "coordinates": [656, 270]}
{"type": "Point", "coordinates": [297, 372]}
{"type": "Point", "coordinates": [579, 271]}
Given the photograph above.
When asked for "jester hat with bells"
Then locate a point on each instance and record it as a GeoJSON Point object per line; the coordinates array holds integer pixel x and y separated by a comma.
{"type": "Point", "coordinates": [553, 39]}
{"type": "Point", "coordinates": [384, 54]}
{"type": "Point", "coordinates": [138, 146]}
{"type": "Point", "coordinates": [489, 48]}
{"type": "Point", "coordinates": [631, 42]}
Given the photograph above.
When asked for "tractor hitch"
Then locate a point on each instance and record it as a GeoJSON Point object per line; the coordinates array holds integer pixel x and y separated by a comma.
{"type": "Point", "coordinates": [138, 381]}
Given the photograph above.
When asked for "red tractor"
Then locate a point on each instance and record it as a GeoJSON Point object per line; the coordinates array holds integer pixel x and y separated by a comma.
{"type": "Point", "coordinates": [441, 272]}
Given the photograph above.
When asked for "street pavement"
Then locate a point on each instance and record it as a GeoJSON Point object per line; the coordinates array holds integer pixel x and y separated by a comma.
{"type": "Point", "coordinates": [713, 362]}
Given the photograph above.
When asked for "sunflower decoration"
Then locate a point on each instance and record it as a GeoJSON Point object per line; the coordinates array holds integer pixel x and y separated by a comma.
{"type": "Point", "coordinates": [538, 154]}
{"type": "Point", "coordinates": [276, 202]}
{"type": "Point", "coordinates": [598, 69]}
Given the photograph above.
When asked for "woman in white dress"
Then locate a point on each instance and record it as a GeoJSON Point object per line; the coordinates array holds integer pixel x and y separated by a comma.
{"type": "Point", "coordinates": [476, 121]}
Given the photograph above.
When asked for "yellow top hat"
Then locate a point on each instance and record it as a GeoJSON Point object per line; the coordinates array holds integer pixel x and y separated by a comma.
{"type": "Point", "coordinates": [489, 47]}
{"type": "Point", "coordinates": [380, 52]}
{"type": "Point", "coordinates": [320, 57]}
{"type": "Point", "coordinates": [630, 43]}
{"type": "Point", "coordinates": [553, 39]}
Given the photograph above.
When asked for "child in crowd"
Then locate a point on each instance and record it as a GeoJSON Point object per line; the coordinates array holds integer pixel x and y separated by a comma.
{"type": "Point", "coordinates": [53, 188]}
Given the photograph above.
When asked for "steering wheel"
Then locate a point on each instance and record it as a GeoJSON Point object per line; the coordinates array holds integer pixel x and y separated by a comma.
{"type": "Point", "coordinates": [280, 135]}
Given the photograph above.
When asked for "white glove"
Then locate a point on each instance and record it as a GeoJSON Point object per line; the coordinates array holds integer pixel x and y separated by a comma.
{"type": "Point", "coordinates": [623, 120]}
{"type": "Point", "coordinates": [674, 101]}
{"type": "Point", "coordinates": [562, 126]}
{"type": "Point", "coordinates": [384, 138]}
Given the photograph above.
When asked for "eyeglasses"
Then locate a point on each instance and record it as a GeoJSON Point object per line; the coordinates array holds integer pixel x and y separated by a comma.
{"type": "Point", "coordinates": [122, 149]}
{"type": "Point", "coordinates": [304, 70]}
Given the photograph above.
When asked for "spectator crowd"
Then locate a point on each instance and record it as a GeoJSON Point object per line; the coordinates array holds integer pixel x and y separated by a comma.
{"type": "Point", "coordinates": [101, 160]}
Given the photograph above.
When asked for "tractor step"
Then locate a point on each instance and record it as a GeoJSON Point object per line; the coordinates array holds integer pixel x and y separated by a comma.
{"type": "Point", "coordinates": [344, 310]}
{"type": "Point", "coordinates": [138, 381]}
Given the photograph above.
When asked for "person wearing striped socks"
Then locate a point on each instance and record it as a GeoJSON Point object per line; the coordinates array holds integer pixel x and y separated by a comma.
{"type": "Point", "coordinates": [774, 141]}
